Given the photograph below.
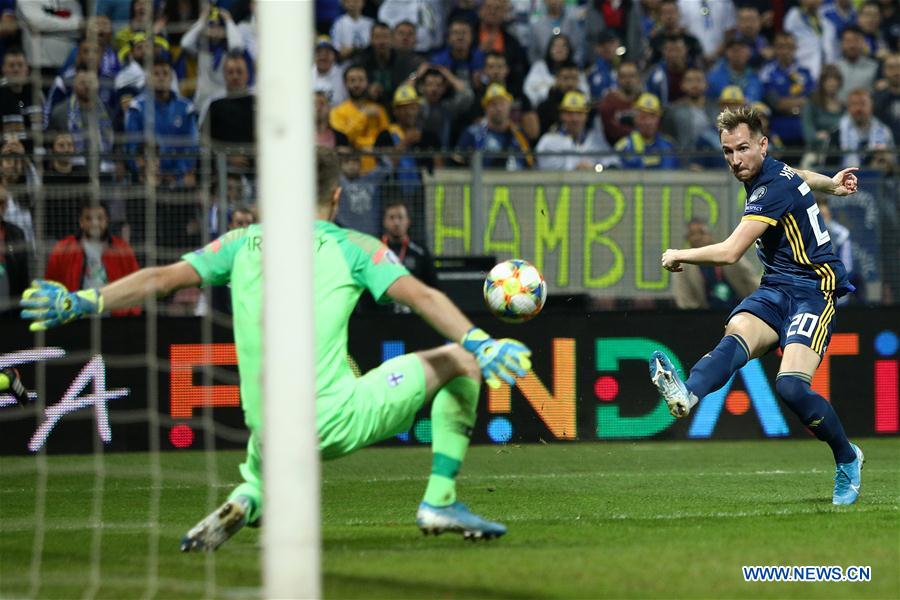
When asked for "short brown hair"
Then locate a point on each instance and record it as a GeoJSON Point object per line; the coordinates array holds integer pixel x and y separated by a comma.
{"type": "Point", "coordinates": [328, 173]}
{"type": "Point", "coordinates": [729, 119]}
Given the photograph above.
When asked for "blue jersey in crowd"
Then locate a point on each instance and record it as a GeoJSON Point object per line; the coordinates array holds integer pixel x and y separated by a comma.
{"type": "Point", "coordinates": [175, 123]}
{"type": "Point", "coordinates": [636, 153]}
{"type": "Point", "coordinates": [601, 78]}
{"type": "Point", "coordinates": [722, 76]}
{"type": "Point", "coordinates": [791, 82]}
{"type": "Point", "coordinates": [796, 249]}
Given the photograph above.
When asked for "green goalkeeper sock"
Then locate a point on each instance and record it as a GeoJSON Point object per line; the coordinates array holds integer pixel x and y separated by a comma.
{"type": "Point", "coordinates": [452, 418]}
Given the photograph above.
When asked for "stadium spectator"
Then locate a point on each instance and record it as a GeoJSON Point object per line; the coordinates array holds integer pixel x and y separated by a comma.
{"type": "Point", "coordinates": [425, 16]}
{"type": "Point", "coordinates": [140, 20]}
{"type": "Point", "coordinates": [664, 80]}
{"type": "Point", "coordinates": [586, 146]}
{"type": "Point", "coordinates": [776, 145]}
{"type": "Point", "coordinates": [869, 21]}
{"type": "Point", "coordinates": [62, 178]}
{"type": "Point", "coordinates": [98, 30]}
{"type": "Point", "coordinates": [351, 31]}
{"type": "Point", "coordinates": [386, 68]}
{"type": "Point", "coordinates": [692, 115]}
{"type": "Point", "coordinates": [410, 149]}
{"type": "Point", "coordinates": [414, 256]}
{"type": "Point", "coordinates": [857, 69]}
{"type": "Point", "coordinates": [461, 57]}
{"type": "Point", "coordinates": [93, 257]}
{"type": "Point", "coordinates": [557, 19]}
{"type": "Point", "coordinates": [326, 135]}
{"type": "Point", "coordinates": [841, 13]}
{"type": "Point", "coordinates": [859, 133]}
{"type": "Point", "coordinates": [9, 26]}
{"type": "Point", "coordinates": [60, 167]}
{"type": "Point", "coordinates": [447, 101]}
{"type": "Point", "coordinates": [49, 32]}
{"type": "Point", "coordinates": [360, 206]}
{"type": "Point", "coordinates": [174, 122]}
{"type": "Point", "coordinates": [220, 295]}
{"type": "Point", "coordinates": [734, 69]}
{"type": "Point", "coordinates": [645, 147]}
{"type": "Point", "coordinates": [248, 28]}
{"type": "Point", "coordinates": [231, 118]}
{"type": "Point", "coordinates": [465, 9]}
{"type": "Point", "coordinates": [712, 287]}
{"type": "Point", "coordinates": [708, 22]}
{"type": "Point", "coordinates": [568, 79]}
{"type": "Point", "coordinates": [669, 24]}
{"type": "Point", "coordinates": [496, 70]}
{"type": "Point", "coordinates": [14, 260]}
{"type": "Point", "coordinates": [327, 75]}
{"type": "Point", "coordinates": [786, 88]}
{"type": "Point", "coordinates": [495, 36]}
{"type": "Point", "coordinates": [326, 13]}
{"type": "Point", "coordinates": [358, 117]}
{"type": "Point", "coordinates": [543, 75]}
{"type": "Point", "coordinates": [749, 27]}
{"type": "Point", "coordinates": [403, 37]}
{"type": "Point", "coordinates": [132, 77]}
{"type": "Point", "coordinates": [503, 142]}
{"type": "Point", "coordinates": [890, 24]}
{"type": "Point", "coordinates": [178, 16]}
{"type": "Point", "coordinates": [84, 115]}
{"type": "Point", "coordinates": [88, 56]}
{"type": "Point", "coordinates": [19, 180]}
{"type": "Point", "coordinates": [886, 101]}
{"type": "Point", "coordinates": [707, 145]}
{"type": "Point", "coordinates": [210, 40]}
{"type": "Point", "coordinates": [601, 75]}
{"type": "Point", "coordinates": [823, 112]}
{"type": "Point", "coordinates": [811, 33]}
{"type": "Point", "coordinates": [21, 106]}
{"type": "Point", "coordinates": [616, 107]}
{"type": "Point", "coordinates": [117, 11]}
{"type": "Point", "coordinates": [625, 19]}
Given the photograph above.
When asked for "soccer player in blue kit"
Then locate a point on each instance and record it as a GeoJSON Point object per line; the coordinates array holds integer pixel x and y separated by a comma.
{"type": "Point", "coordinates": [794, 305]}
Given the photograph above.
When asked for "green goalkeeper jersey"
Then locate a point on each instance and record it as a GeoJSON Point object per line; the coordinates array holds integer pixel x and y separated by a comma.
{"type": "Point", "coordinates": [346, 263]}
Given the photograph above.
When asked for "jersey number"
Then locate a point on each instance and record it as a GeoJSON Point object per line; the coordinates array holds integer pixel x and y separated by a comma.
{"type": "Point", "coordinates": [813, 214]}
{"type": "Point", "coordinates": [803, 324]}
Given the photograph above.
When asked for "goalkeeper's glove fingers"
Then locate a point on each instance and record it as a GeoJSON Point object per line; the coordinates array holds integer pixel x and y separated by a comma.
{"type": "Point", "coordinates": [49, 304]}
{"type": "Point", "coordinates": [499, 360]}
{"type": "Point", "coordinates": [11, 383]}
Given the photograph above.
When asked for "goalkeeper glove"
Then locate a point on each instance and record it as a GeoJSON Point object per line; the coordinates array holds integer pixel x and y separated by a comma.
{"type": "Point", "coordinates": [50, 304]}
{"type": "Point", "coordinates": [503, 359]}
{"type": "Point", "coordinates": [10, 382]}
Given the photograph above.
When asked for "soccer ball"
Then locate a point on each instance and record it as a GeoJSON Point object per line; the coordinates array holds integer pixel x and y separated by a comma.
{"type": "Point", "coordinates": [515, 291]}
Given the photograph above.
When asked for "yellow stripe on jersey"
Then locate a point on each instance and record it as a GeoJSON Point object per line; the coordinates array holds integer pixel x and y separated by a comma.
{"type": "Point", "coordinates": [819, 337]}
{"type": "Point", "coordinates": [771, 222]}
{"type": "Point", "coordinates": [792, 230]}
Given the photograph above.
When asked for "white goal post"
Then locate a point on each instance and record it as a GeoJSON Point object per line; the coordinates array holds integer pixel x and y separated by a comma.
{"type": "Point", "coordinates": [287, 175]}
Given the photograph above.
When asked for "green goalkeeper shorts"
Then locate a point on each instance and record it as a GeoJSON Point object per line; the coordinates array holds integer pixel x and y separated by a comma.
{"type": "Point", "coordinates": [383, 403]}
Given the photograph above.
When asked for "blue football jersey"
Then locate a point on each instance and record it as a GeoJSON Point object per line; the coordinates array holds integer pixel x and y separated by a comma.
{"type": "Point", "coordinates": [796, 249]}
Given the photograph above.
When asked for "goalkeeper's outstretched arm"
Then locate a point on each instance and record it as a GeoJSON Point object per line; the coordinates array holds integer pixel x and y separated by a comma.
{"type": "Point", "coordinates": [137, 287]}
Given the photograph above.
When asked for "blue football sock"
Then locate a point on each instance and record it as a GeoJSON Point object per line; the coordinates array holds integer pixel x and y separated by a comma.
{"type": "Point", "coordinates": [713, 370]}
{"type": "Point", "coordinates": [816, 413]}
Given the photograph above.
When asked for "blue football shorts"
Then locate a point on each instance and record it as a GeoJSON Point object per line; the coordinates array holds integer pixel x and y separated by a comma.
{"type": "Point", "coordinates": [800, 315]}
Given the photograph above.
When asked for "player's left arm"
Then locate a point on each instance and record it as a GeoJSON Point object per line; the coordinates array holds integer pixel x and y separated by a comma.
{"type": "Point", "coordinates": [843, 183]}
{"type": "Point", "coordinates": [727, 252]}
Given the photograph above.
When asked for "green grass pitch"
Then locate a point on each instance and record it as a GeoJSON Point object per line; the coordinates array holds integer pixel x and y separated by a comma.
{"type": "Point", "coordinates": [589, 520]}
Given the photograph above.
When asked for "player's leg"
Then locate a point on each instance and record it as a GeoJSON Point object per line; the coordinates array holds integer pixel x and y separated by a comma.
{"type": "Point", "coordinates": [747, 335]}
{"type": "Point", "coordinates": [802, 354]}
{"type": "Point", "coordinates": [453, 378]}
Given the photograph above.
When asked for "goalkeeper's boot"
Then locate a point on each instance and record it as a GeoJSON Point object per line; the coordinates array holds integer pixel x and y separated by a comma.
{"type": "Point", "coordinates": [456, 518]}
{"type": "Point", "coordinates": [217, 527]}
{"type": "Point", "coordinates": [11, 383]}
{"type": "Point", "coordinates": [666, 379]}
{"type": "Point", "coordinates": [847, 479]}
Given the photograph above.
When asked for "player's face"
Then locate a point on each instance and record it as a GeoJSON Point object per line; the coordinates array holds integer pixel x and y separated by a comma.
{"type": "Point", "coordinates": [94, 222]}
{"type": "Point", "coordinates": [396, 222]}
{"type": "Point", "coordinates": [744, 153]}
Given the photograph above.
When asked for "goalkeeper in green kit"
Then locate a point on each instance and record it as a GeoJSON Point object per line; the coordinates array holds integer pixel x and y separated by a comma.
{"type": "Point", "coordinates": [351, 413]}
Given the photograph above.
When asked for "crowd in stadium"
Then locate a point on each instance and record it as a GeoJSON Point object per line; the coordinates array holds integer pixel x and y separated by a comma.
{"type": "Point", "coordinates": [406, 85]}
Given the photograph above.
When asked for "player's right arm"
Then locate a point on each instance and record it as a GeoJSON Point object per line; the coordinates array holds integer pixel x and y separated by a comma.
{"type": "Point", "coordinates": [843, 183]}
{"type": "Point", "coordinates": [503, 359]}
